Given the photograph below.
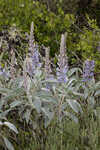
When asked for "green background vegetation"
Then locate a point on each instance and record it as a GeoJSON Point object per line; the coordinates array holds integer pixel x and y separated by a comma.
{"type": "Point", "coordinates": [81, 20]}
{"type": "Point", "coordinates": [53, 17]}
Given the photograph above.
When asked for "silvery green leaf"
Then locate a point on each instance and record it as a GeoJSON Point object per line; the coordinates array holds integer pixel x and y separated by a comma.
{"type": "Point", "coordinates": [1, 123]}
{"type": "Point", "coordinates": [48, 116]}
{"type": "Point", "coordinates": [64, 106]}
{"type": "Point", "coordinates": [78, 94]}
{"type": "Point", "coordinates": [49, 100]}
{"type": "Point", "coordinates": [51, 80]}
{"type": "Point", "coordinates": [91, 101]}
{"type": "Point", "coordinates": [73, 70]}
{"type": "Point", "coordinates": [44, 94]}
{"type": "Point", "coordinates": [86, 92]}
{"type": "Point", "coordinates": [27, 115]}
{"type": "Point", "coordinates": [4, 113]}
{"type": "Point", "coordinates": [98, 112]}
{"type": "Point", "coordinates": [47, 112]}
{"type": "Point", "coordinates": [8, 144]}
{"type": "Point", "coordinates": [37, 104]}
{"type": "Point", "coordinates": [4, 90]}
{"type": "Point", "coordinates": [15, 103]}
{"type": "Point", "coordinates": [97, 93]}
{"type": "Point", "coordinates": [97, 85]}
{"type": "Point", "coordinates": [70, 81]}
{"type": "Point", "coordinates": [38, 73]}
{"type": "Point", "coordinates": [77, 86]}
{"type": "Point", "coordinates": [47, 121]}
{"type": "Point", "coordinates": [28, 83]}
{"type": "Point", "coordinates": [73, 117]}
{"type": "Point", "coordinates": [15, 92]}
{"type": "Point", "coordinates": [75, 105]}
{"type": "Point", "coordinates": [11, 126]}
{"type": "Point", "coordinates": [1, 103]}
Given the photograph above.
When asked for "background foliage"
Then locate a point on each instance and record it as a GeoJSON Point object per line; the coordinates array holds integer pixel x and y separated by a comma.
{"type": "Point", "coordinates": [50, 22]}
{"type": "Point", "coordinates": [31, 118]}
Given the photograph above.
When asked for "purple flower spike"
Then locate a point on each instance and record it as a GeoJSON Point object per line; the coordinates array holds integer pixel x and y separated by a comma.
{"type": "Point", "coordinates": [62, 61]}
{"type": "Point", "coordinates": [33, 55]}
{"type": "Point", "coordinates": [88, 70]}
{"type": "Point", "coordinates": [3, 73]}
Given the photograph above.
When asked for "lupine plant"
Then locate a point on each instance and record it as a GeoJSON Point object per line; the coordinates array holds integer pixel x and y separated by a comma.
{"type": "Point", "coordinates": [49, 104]}
{"type": "Point", "coordinates": [62, 61]}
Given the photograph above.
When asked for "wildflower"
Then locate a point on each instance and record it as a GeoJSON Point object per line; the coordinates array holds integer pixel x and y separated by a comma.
{"type": "Point", "coordinates": [33, 55]}
{"type": "Point", "coordinates": [48, 71]}
{"type": "Point", "coordinates": [88, 70]}
{"type": "Point", "coordinates": [62, 61]}
{"type": "Point", "coordinates": [3, 72]}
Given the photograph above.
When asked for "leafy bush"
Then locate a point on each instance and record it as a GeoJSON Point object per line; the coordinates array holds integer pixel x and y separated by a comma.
{"type": "Point", "coordinates": [81, 43]}
{"type": "Point", "coordinates": [56, 110]}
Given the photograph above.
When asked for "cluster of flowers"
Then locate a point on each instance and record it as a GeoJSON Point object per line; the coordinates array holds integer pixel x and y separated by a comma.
{"type": "Point", "coordinates": [62, 68]}
{"type": "Point", "coordinates": [3, 72]}
{"type": "Point", "coordinates": [88, 71]}
{"type": "Point", "coordinates": [62, 61]}
{"type": "Point", "coordinates": [33, 62]}
{"type": "Point", "coordinates": [33, 55]}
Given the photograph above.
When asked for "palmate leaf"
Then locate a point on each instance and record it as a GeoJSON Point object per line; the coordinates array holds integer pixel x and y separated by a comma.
{"type": "Point", "coordinates": [75, 105]}
{"type": "Point", "coordinates": [91, 100]}
{"type": "Point", "coordinates": [97, 93]}
{"type": "Point", "coordinates": [71, 116]}
{"type": "Point", "coordinates": [4, 113]}
{"type": "Point", "coordinates": [37, 105]}
{"type": "Point", "coordinates": [14, 93]}
{"type": "Point", "coordinates": [48, 115]}
{"type": "Point", "coordinates": [8, 143]}
{"type": "Point", "coordinates": [73, 70]}
{"type": "Point", "coordinates": [15, 103]}
{"type": "Point", "coordinates": [1, 123]}
{"type": "Point", "coordinates": [46, 96]}
{"type": "Point", "coordinates": [27, 115]}
{"type": "Point", "coordinates": [4, 90]}
{"type": "Point", "coordinates": [11, 126]}
{"type": "Point", "coordinates": [78, 94]}
{"type": "Point", "coordinates": [97, 85]}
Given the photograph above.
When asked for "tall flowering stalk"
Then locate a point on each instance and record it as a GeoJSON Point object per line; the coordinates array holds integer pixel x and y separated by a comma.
{"type": "Point", "coordinates": [88, 70]}
{"type": "Point", "coordinates": [62, 61]}
{"type": "Point", "coordinates": [48, 70]}
{"type": "Point", "coordinates": [13, 61]}
{"type": "Point", "coordinates": [32, 61]}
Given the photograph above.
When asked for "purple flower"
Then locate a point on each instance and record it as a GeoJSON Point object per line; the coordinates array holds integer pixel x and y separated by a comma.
{"type": "Point", "coordinates": [33, 55]}
{"type": "Point", "coordinates": [48, 71]}
{"type": "Point", "coordinates": [62, 61]}
{"type": "Point", "coordinates": [34, 63]}
{"type": "Point", "coordinates": [88, 71]}
{"type": "Point", "coordinates": [3, 73]}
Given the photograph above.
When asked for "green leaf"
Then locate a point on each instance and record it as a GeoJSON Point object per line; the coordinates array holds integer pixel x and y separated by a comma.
{"type": "Point", "coordinates": [11, 126]}
{"type": "Point", "coordinates": [73, 70]}
{"type": "Point", "coordinates": [75, 105]}
{"type": "Point", "coordinates": [73, 117]}
{"type": "Point", "coordinates": [78, 94]}
{"type": "Point", "coordinates": [37, 104]}
{"type": "Point", "coordinates": [8, 144]}
{"type": "Point", "coordinates": [48, 116]}
{"type": "Point", "coordinates": [14, 93]}
{"type": "Point", "coordinates": [4, 90]}
{"type": "Point", "coordinates": [97, 93]}
{"type": "Point", "coordinates": [1, 123]}
{"type": "Point", "coordinates": [15, 103]}
{"type": "Point", "coordinates": [27, 115]}
{"type": "Point", "coordinates": [91, 101]}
